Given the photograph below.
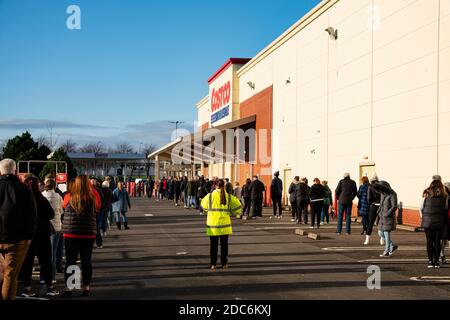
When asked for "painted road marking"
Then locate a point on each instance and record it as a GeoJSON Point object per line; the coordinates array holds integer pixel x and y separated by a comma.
{"type": "Point", "coordinates": [432, 279]}
{"type": "Point", "coordinates": [401, 248]}
{"type": "Point", "coordinates": [392, 260]}
{"type": "Point", "coordinates": [182, 253]}
{"type": "Point", "coordinates": [149, 215]}
{"type": "Point", "coordinates": [31, 298]}
{"type": "Point", "coordinates": [276, 228]}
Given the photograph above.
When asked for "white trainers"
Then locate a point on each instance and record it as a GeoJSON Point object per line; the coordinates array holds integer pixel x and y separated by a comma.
{"type": "Point", "coordinates": [292, 220]}
{"type": "Point", "coordinates": [367, 240]}
{"type": "Point", "coordinates": [321, 223]}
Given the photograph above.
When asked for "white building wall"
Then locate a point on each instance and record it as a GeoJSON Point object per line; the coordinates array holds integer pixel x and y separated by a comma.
{"type": "Point", "coordinates": [405, 96]}
{"type": "Point", "coordinates": [374, 95]}
{"type": "Point", "coordinates": [204, 113]}
{"type": "Point", "coordinates": [349, 76]}
{"type": "Point", "coordinates": [444, 90]}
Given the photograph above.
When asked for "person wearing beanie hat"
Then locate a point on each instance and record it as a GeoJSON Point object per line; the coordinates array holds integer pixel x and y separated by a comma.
{"type": "Point", "coordinates": [373, 197]}
{"type": "Point", "coordinates": [276, 192]}
{"type": "Point", "coordinates": [374, 178]}
{"type": "Point", "coordinates": [387, 213]}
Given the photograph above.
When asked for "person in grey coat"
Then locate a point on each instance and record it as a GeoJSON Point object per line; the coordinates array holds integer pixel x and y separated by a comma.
{"type": "Point", "coordinates": [120, 205]}
{"type": "Point", "coordinates": [387, 213]}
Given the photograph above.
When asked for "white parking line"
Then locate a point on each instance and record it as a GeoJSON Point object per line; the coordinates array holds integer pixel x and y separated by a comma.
{"type": "Point", "coordinates": [31, 298]}
{"type": "Point", "coordinates": [387, 260]}
{"type": "Point", "coordinates": [277, 228]}
{"type": "Point", "coordinates": [182, 253]}
{"type": "Point", "coordinates": [432, 279]}
{"type": "Point", "coordinates": [149, 215]}
{"type": "Point", "coordinates": [377, 248]}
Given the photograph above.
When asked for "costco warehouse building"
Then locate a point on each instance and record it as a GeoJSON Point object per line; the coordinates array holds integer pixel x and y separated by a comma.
{"type": "Point", "coordinates": [357, 86]}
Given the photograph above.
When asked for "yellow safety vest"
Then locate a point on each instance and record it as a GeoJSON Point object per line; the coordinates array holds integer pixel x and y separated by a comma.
{"type": "Point", "coordinates": [218, 222]}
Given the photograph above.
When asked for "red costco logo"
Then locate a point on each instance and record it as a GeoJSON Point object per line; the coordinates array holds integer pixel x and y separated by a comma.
{"type": "Point", "coordinates": [220, 97]}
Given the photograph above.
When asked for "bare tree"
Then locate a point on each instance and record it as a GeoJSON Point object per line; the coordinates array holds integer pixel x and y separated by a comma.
{"type": "Point", "coordinates": [148, 150]}
{"type": "Point", "coordinates": [52, 137]}
{"type": "Point", "coordinates": [96, 147]}
{"type": "Point", "coordinates": [69, 146]}
{"type": "Point", "coordinates": [42, 141]}
{"type": "Point", "coordinates": [123, 148]}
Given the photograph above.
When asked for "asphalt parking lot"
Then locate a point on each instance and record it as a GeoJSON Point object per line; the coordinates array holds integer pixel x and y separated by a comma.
{"type": "Point", "coordinates": [165, 256]}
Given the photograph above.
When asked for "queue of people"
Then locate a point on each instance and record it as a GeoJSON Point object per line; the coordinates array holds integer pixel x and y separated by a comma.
{"type": "Point", "coordinates": [38, 220]}
{"type": "Point", "coordinates": [377, 204]}
{"type": "Point", "coordinates": [43, 222]}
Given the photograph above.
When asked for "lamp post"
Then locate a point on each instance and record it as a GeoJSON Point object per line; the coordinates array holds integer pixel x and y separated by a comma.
{"type": "Point", "coordinates": [176, 127]}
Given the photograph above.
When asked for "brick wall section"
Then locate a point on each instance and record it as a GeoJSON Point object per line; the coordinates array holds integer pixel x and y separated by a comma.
{"type": "Point", "coordinates": [410, 217]}
{"type": "Point", "coordinates": [261, 105]}
{"type": "Point", "coordinates": [204, 127]}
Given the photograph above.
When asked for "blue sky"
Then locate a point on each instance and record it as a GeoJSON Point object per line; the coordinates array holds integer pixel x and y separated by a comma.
{"type": "Point", "coordinates": [133, 66]}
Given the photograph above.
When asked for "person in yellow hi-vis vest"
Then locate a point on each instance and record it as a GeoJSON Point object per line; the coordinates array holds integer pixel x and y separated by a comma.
{"type": "Point", "coordinates": [219, 206]}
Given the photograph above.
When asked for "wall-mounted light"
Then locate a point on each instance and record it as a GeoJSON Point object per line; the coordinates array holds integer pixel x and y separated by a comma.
{"type": "Point", "coordinates": [313, 151]}
{"type": "Point", "coordinates": [332, 32]}
{"type": "Point", "coordinates": [288, 81]}
{"type": "Point", "coordinates": [251, 85]}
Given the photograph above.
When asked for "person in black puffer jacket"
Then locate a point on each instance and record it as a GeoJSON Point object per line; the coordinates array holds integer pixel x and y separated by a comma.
{"type": "Point", "coordinates": [373, 198]}
{"type": "Point", "coordinates": [80, 229]}
{"type": "Point", "coordinates": [316, 196]}
{"type": "Point", "coordinates": [276, 193]}
{"type": "Point", "coordinates": [434, 211]}
{"type": "Point", "coordinates": [17, 226]}
{"type": "Point", "coordinates": [293, 197]}
{"type": "Point", "coordinates": [302, 201]}
{"type": "Point", "coordinates": [40, 245]}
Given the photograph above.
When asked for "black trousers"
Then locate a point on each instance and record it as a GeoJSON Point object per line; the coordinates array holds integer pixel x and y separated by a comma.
{"type": "Point", "coordinates": [276, 201]}
{"type": "Point", "coordinates": [214, 248]}
{"type": "Point", "coordinates": [82, 247]}
{"type": "Point", "coordinates": [373, 214]}
{"type": "Point", "coordinates": [433, 244]}
{"type": "Point", "coordinates": [41, 248]}
{"type": "Point", "coordinates": [302, 209]}
{"type": "Point", "coordinates": [294, 209]}
{"type": "Point", "coordinates": [257, 207]}
{"type": "Point", "coordinates": [247, 204]}
{"type": "Point", "coordinates": [316, 212]}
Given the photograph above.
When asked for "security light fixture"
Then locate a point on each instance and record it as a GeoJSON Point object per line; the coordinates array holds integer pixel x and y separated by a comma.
{"type": "Point", "coordinates": [288, 81]}
{"type": "Point", "coordinates": [251, 85]}
{"type": "Point", "coordinates": [313, 151]}
{"type": "Point", "coordinates": [332, 32]}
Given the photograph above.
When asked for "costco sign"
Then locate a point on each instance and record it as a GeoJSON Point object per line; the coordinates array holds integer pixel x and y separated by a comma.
{"type": "Point", "coordinates": [220, 102]}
